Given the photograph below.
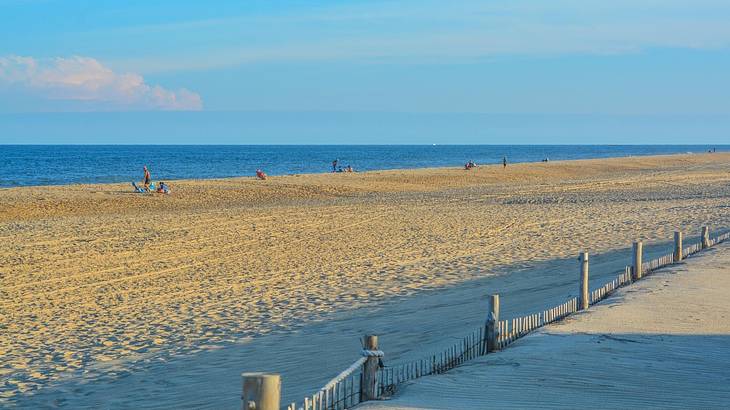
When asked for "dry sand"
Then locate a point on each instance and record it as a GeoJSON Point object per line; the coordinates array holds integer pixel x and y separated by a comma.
{"type": "Point", "coordinates": [96, 274]}
{"type": "Point", "coordinates": [661, 343]}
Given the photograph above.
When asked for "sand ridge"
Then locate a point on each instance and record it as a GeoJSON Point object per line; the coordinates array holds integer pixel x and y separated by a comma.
{"type": "Point", "coordinates": [92, 274]}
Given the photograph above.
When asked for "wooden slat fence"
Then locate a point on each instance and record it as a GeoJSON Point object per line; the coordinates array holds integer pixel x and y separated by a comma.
{"type": "Point", "coordinates": [344, 391]}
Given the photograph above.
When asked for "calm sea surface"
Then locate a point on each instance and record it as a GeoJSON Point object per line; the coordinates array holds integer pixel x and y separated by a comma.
{"type": "Point", "coordinates": [24, 165]}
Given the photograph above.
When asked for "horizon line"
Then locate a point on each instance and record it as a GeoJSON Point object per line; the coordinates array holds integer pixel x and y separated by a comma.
{"type": "Point", "coordinates": [367, 145]}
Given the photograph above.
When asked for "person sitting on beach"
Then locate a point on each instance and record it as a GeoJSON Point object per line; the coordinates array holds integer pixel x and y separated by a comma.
{"type": "Point", "coordinates": [349, 168]}
{"type": "Point", "coordinates": [260, 174]}
{"type": "Point", "coordinates": [163, 188]}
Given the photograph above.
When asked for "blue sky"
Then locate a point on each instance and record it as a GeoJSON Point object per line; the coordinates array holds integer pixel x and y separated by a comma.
{"type": "Point", "coordinates": [562, 70]}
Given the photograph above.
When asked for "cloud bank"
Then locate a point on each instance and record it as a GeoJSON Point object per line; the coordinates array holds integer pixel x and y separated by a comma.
{"type": "Point", "coordinates": [85, 79]}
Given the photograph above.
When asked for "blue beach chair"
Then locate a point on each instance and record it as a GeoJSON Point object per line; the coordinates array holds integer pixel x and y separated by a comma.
{"type": "Point", "coordinates": [138, 188]}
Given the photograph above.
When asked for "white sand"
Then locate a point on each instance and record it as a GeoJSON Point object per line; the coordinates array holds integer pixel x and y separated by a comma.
{"type": "Point", "coordinates": [661, 343]}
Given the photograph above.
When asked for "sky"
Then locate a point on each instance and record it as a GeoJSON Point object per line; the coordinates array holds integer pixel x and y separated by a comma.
{"type": "Point", "coordinates": [417, 71]}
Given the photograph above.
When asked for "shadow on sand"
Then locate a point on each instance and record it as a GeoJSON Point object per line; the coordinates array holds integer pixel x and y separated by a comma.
{"type": "Point", "coordinates": [308, 354]}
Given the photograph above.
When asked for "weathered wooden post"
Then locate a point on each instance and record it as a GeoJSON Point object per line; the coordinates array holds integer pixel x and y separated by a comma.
{"type": "Point", "coordinates": [369, 384]}
{"type": "Point", "coordinates": [261, 391]}
{"type": "Point", "coordinates": [705, 237]}
{"type": "Point", "coordinates": [677, 246]}
{"type": "Point", "coordinates": [638, 256]}
{"type": "Point", "coordinates": [583, 289]}
{"type": "Point", "coordinates": [492, 323]}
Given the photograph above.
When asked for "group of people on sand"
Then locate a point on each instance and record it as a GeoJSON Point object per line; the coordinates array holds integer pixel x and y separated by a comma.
{"type": "Point", "coordinates": [335, 168]}
{"type": "Point", "coordinates": [338, 168]}
{"type": "Point", "coordinates": [149, 187]}
{"type": "Point", "coordinates": [471, 164]}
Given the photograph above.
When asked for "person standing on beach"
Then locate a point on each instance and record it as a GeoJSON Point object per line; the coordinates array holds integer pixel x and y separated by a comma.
{"type": "Point", "coordinates": [504, 162]}
{"type": "Point", "coordinates": [147, 178]}
{"type": "Point", "coordinates": [334, 165]}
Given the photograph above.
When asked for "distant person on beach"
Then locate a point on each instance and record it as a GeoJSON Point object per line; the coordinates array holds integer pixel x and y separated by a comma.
{"type": "Point", "coordinates": [260, 174]}
{"type": "Point", "coordinates": [349, 168]}
{"type": "Point", "coordinates": [147, 178]}
{"type": "Point", "coordinates": [469, 165]}
{"type": "Point", "coordinates": [334, 165]}
{"type": "Point", "coordinates": [504, 162]}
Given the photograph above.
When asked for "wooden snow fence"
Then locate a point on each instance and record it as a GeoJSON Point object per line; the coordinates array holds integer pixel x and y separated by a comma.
{"type": "Point", "coordinates": [367, 379]}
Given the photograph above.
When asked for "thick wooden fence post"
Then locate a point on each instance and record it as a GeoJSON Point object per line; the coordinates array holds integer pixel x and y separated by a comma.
{"type": "Point", "coordinates": [583, 289]}
{"type": "Point", "coordinates": [638, 256]}
{"type": "Point", "coordinates": [677, 246]}
{"type": "Point", "coordinates": [369, 384]}
{"type": "Point", "coordinates": [261, 391]}
{"type": "Point", "coordinates": [492, 332]}
{"type": "Point", "coordinates": [705, 237]}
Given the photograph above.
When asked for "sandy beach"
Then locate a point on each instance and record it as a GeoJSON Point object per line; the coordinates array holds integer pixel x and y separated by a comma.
{"type": "Point", "coordinates": [96, 280]}
{"type": "Point", "coordinates": [660, 343]}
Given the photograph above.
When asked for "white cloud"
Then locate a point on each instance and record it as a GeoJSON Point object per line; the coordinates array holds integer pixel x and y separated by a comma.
{"type": "Point", "coordinates": [87, 80]}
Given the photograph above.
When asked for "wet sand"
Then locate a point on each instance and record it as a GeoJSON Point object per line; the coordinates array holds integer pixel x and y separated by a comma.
{"type": "Point", "coordinates": [99, 284]}
{"type": "Point", "coordinates": [660, 343]}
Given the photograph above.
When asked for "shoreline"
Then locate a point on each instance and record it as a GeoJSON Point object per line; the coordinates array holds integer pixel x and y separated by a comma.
{"type": "Point", "coordinates": [372, 171]}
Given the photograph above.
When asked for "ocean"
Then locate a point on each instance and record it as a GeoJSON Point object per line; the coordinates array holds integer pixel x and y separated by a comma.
{"type": "Point", "coordinates": [29, 165]}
